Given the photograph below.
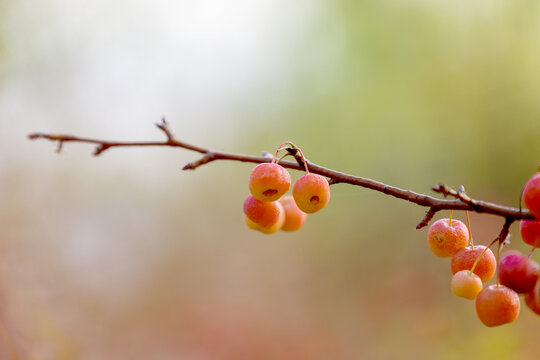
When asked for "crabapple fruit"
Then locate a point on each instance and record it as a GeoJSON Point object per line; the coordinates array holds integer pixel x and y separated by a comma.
{"type": "Point", "coordinates": [294, 217]}
{"type": "Point", "coordinates": [530, 232]}
{"type": "Point", "coordinates": [466, 285]}
{"type": "Point", "coordinates": [497, 305]}
{"type": "Point", "coordinates": [262, 213]}
{"type": "Point", "coordinates": [266, 230]}
{"type": "Point", "coordinates": [465, 258]}
{"type": "Point", "coordinates": [269, 181]}
{"type": "Point", "coordinates": [311, 192]}
{"type": "Point", "coordinates": [531, 195]}
{"type": "Point", "coordinates": [532, 298]}
{"type": "Point", "coordinates": [518, 272]}
{"type": "Point", "coordinates": [445, 238]}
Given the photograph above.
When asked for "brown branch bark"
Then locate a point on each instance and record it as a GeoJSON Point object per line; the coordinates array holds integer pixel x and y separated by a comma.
{"type": "Point", "coordinates": [461, 201]}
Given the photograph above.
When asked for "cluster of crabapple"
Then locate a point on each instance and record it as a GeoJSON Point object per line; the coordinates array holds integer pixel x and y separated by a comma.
{"type": "Point", "coordinates": [267, 209]}
{"type": "Point", "coordinates": [472, 265]}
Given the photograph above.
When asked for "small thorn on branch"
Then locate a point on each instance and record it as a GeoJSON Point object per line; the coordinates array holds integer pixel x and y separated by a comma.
{"type": "Point", "coordinates": [504, 233]}
{"type": "Point", "coordinates": [164, 126]}
{"type": "Point", "coordinates": [460, 194]}
{"type": "Point", "coordinates": [507, 240]}
{"type": "Point", "coordinates": [427, 218]}
{"type": "Point", "coordinates": [333, 181]}
{"type": "Point", "coordinates": [101, 148]}
{"type": "Point", "coordinates": [208, 157]}
{"type": "Point", "coordinates": [267, 155]}
{"type": "Point", "coordinates": [443, 189]}
{"type": "Point", "coordinates": [292, 151]}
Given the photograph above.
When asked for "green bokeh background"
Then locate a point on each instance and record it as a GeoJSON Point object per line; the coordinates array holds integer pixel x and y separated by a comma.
{"type": "Point", "coordinates": [127, 257]}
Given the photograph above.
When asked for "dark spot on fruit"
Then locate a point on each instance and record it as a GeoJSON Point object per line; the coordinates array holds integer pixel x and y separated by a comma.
{"type": "Point", "coordinates": [270, 192]}
{"type": "Point", "coordinates": [314, 200]}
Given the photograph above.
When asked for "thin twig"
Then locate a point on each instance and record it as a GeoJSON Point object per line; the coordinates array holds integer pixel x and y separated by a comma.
{"type": "Point", "coordinates": [503, 234]}
{"type": "Point", "coordinates": [427, 218]}
{"type": "Point", "coordinates": [461, 201]}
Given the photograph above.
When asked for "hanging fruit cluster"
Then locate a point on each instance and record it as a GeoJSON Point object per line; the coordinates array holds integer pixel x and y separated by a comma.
{"type": "Point", "coordinates": [268, 209]}
{"type": "Point", "coordinates": [472, 265]}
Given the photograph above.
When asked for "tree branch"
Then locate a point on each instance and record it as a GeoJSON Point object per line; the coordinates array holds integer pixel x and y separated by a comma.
{"type": "Point", "coordinates": [461, 201]}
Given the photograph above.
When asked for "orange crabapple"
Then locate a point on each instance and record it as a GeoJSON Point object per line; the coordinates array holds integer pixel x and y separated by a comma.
{"type": "Point", "coordinates": [497, 305]}
{"type": "Point", "coordinates": [465, 258]}
{"type": "Point", "coordinates": [263, 213]}
{"type": "Point", "coordinates": [531, 195]}
{"type": "Point", "coordinates": [311, 192]}
{"type": "Point", "coordinates": [269, 181]}
{"type": "Point", "coordinates": [266, 230]}
{"type": "Point", "coordinates": [446, 237]}
{"type": "Point", "coordinates": [294, 217]}
{"type": "Point", "coordinates": [466, 284]}
{"type": "Point", "coordinates": [530, 232]}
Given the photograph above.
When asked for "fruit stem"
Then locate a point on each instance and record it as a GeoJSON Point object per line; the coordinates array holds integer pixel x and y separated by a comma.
{"type": "Point", "coordinates": [282, 147]}
{"type": "Point", "coordinates": [276, 154]}
{"type": "Point", "coordinates": [480, 256]}
{"type": "Point", "coordinates": [469, 228]}
{"type": "Point", "coordinates": [303, 160]}
{"type": "Point", "coordinates": [532, 250]}
{"type": "Point", "coordinates": [450, 219]}
{"type": "Point", "coordinates": [281, 158]}
{"type": "Point", "coordinates": [521, 197]}
{"type": "Point", "coordinates": [498, 254]}
{"type": "Point", "coordinates": [288, 143]}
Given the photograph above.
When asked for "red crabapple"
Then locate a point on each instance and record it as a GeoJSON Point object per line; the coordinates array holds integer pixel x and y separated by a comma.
{"type": "Point", "coordinates": [466, 285]}
{"type": "Point", "coordinates": [466, 257]}
{"type": "Point", "coordinates": [531, 195]}
{"type": "Point", "coordinates": [444, 239]}
{"type": "Point", "coordinates": [311, 192]}
{"type": "Point", "coordinates": [532, 298]}
{"type": "Point", "coordinates": [497, 305]}
{"type": "Point", "coordinates": [294, 217]}
{"type": "Point", "coordinates": [269, 181]}
{"type": "Point", "coordinates": [518, 272]}
{"type": "Point", "coordinates": [530, 232]}
{"type": "Point", "coordinates": [262, 213]}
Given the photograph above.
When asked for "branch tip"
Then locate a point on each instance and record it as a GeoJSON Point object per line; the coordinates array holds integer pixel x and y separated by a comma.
{"type": "Point", "coordinates": [291, 150]}
{"type": "Point", "coordinates": [427, 218]}
{"type": "Point", "coordinates": [208, 157]}
{"type": "Point", "coordinates": [333, 181]}
{"type": "Point", "coordinates": [164, 126]}
{"type": "Point", "coordinates": [102, 147]}
{"type": "Point", "coordinates": [503, 234]}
